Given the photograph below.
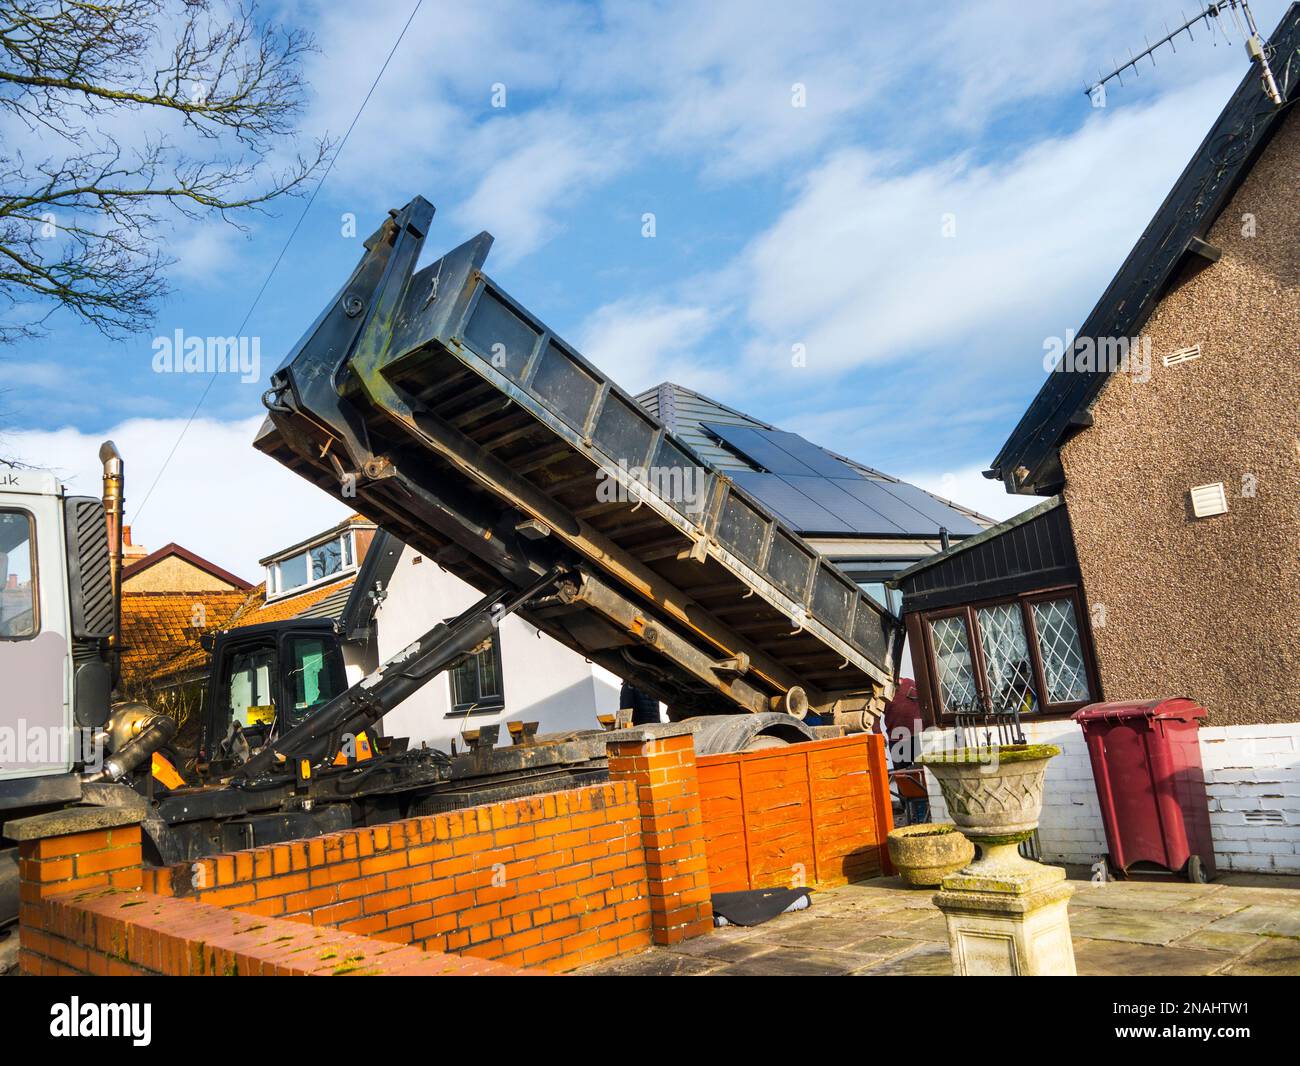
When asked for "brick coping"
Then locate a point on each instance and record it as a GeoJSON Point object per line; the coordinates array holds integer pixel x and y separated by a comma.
{"type": "Point", "coordinates": [114, 932]}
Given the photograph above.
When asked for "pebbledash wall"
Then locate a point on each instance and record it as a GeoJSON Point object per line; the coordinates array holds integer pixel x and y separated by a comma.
{"type": "Point", "coordinates": [1252, 776]}
{"type": "Point", "coordinates": [554, 881]}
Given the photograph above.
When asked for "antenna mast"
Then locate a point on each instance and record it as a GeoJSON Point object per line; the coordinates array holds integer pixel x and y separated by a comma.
{"type": "Point", "coordinates": [1256, 48]}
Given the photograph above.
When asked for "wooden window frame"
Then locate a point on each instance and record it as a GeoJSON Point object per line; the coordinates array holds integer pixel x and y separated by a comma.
{"type": "Point", "coordinates": [1025, 601]}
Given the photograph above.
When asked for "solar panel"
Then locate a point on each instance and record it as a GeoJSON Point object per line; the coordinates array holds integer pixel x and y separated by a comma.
{"type": "Point", "coordinates": [829, 487]}
{"type": "Point", "coordinates": [951, 519]}
{"type": "Point", "coordinates": [755, 446]}
{"type": "Point", "coordinates": [898, 512]}
{"type": "Point", "coordinates": [860, 516]}
{"type": "Point", "coordinates": [790, 505]}
{"type": "Point", "coordinates": [816, 459]}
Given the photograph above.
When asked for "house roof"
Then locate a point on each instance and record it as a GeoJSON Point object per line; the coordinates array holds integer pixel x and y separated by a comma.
{"type": "Point", "coordinates": [304, 604]}
{"type": "Point", "coordinates": [159, 635]}
{"type": "Point", "coordinates": [1175, 237]}
{"type": "Point", "coordinates": [176, 551]}
{"type": "Point", "coordinates": [982, 537]}
{"type": "Point", "coordinates": [813, 490]}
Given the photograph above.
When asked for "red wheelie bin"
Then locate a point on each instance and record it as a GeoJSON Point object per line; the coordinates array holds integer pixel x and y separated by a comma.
{"type": "Point", "coordinates": [1146, 763]}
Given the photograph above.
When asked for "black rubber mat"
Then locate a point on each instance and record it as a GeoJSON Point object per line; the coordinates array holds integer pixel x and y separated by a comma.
{"type": "Point", "coordinates": [758, 905]}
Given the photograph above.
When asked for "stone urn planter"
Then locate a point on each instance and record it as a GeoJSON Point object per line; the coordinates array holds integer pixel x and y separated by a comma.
{"type": "Point", "coordinates": [1006, 915]}
{"type": "Point", "coordinates": [995, 797]}
{"type": "Point", "coordinates": [925, 854]}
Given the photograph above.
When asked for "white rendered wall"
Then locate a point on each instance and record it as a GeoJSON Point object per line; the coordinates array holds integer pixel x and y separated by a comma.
{"type": "Point", "coordinates": [544, 681]}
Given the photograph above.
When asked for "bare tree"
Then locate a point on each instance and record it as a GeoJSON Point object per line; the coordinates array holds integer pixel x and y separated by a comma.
{"type": "Point", "coordinates": [137, 114]}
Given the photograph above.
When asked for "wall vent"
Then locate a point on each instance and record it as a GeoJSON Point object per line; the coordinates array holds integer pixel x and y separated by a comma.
{"type": "Point", "coordinates": [1265, 818]}
{"type": "Point", "coordinates": [1183, 355]}
{"type": "Point", "coordinates": [1209, 500]}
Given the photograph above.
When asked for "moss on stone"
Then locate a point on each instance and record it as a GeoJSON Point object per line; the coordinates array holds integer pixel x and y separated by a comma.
{"type": "Point", "coordinates": [1007, 753]}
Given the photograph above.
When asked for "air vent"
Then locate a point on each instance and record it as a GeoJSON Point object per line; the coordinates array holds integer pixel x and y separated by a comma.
{"type": "Point", "coordinates": [1183, 355]}
{"type": "Point", "coordinates": [1208, 500]}
{"type": "Point", "coordinates": [1265, 818]}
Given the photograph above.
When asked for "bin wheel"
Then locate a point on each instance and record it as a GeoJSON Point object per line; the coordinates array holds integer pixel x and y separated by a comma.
{"type": "Point", "coordinates": [1117, 872]}
{"type": "Point", "coordinates": [1195, 871]}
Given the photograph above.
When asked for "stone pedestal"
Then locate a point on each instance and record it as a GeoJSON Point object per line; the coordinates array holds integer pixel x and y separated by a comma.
{"type": "Point", "coordinates": [1007, 917]}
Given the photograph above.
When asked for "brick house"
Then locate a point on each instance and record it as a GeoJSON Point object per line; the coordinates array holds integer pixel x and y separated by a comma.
{"type": "Point", "coordinates": [1165, 563]}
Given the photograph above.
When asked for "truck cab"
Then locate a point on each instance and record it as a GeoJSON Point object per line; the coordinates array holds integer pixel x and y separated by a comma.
{"type": "Point", "coordinates": [57, 619]}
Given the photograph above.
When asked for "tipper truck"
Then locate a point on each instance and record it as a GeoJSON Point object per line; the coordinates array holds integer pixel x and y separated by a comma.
{"type": "Point", "coordinates": [440, 408]}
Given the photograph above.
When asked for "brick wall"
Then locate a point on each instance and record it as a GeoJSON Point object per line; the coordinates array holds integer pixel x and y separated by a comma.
{"type": "Point", "coordinates": [104, 932]}
{"type": "Point", "coordinates": [557, 880]}
{"type": "Point", "coordinates": [663, 772]}
{"type": "Point", "coordinates": [812, 815]}
{"type": "Point", "coordinates": [1252, 773]}
{"type": "Point", "coordinates": [1252, 776]}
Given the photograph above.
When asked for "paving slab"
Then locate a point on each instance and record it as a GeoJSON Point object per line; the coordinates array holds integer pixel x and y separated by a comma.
{"type": "Point", "coordinates": [655, 963]}
{"type": "Point", "coordinates": [883, 947]}
{"type": "Point", "coordinates": [1263, 919]}
{"type": "Point", "coordinates": [1275, 958]}
{"type": "Point", "coordinates": [712, 947]}
{"type": "Point", "coordinates": [797, 962]}
{"type": "Point", "coordinates": [828, 933]}
{"type": "Point", "coordinates": [928, 960]}
{"type": "Point", "coordinates": [1208, 940]}
{"type": "Point", "coordinates": [1108, 958]}
{"type": "Point", "coordinates": [1134, 926]}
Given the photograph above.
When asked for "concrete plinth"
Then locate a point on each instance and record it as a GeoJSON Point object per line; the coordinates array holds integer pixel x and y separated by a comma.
{"type": "Point", "coordinates": [1007, 917]}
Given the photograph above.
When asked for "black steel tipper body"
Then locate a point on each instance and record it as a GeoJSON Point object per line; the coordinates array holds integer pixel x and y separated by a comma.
{"type": "Point", "coordinates": [448, 413]}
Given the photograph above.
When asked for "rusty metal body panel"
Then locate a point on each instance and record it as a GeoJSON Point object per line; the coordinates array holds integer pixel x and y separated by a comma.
{"type": "Point", "coordinates": [448, 413]}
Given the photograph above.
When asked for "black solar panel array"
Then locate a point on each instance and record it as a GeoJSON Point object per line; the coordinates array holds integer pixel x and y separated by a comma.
{"type": "Point", "coordinates": [814, 492]}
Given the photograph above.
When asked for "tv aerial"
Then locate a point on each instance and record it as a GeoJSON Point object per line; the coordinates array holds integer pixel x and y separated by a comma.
{"type": "Point", "coordinates": [1215, 16]}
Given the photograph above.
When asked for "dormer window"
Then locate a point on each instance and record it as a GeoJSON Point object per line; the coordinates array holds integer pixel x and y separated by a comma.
{"type": "Point", "coordinates": [313, 565]}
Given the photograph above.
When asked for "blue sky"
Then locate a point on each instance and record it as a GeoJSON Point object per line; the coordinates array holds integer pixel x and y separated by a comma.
{"type": "Point", "coordinates": [821, 226]}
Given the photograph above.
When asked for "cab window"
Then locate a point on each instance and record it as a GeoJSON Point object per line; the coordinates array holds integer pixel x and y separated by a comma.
{"type": "Point", "coordinates": [17, 580]}
{"type": "Point", "coordinates": [250, 692]}
{"type": "Point", "coordinates": [312, 680]}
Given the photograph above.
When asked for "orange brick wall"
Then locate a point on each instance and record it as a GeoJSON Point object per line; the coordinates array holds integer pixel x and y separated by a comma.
{"type": "Point", "coordinates": [811, 815]}
{"type": "Point", "coordinates": [105, 932]}
{"type": "Point", "coordinates": [557, 880]}
{"type": "Point", "coordinates": [667, 795]}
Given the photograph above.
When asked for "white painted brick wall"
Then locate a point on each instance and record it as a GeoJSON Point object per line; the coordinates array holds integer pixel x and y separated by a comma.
{"type": "Point", "coordinates": [1249, 770]}
{"type": "Point", "coordinates": [1254, 770]}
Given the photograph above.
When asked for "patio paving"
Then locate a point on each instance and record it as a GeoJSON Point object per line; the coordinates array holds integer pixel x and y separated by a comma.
{"type": "Point", "coordinates": [1240, 925]}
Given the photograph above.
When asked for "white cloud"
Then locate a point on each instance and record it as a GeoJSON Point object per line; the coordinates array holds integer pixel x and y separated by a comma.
{"type": "Point", "coordinates": [525, 189]}
{"type": "Point", "coordinates": [970, 488]}
{"type": "Point", "coordinates": [641, 344]}
{"type": "Point", "coordinates": [203, 251]}
{"type": "Point", "coordinates": [860, 271]}
{"type": "Point", "coordinates": [32, 375]}
{"type": "Point", "coordinates": [219, 496]}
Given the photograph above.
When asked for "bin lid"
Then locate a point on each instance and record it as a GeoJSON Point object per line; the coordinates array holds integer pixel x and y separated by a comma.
{"type": "Point", "coordinates": [1166, 707]}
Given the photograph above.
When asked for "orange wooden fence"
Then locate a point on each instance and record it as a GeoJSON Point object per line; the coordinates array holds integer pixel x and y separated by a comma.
{"type": "Point", "coordinates": [811, 815]}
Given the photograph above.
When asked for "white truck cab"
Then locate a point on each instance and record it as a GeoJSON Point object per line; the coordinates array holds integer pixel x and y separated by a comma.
{"type": "Point", "coordinates": [57, 620]}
